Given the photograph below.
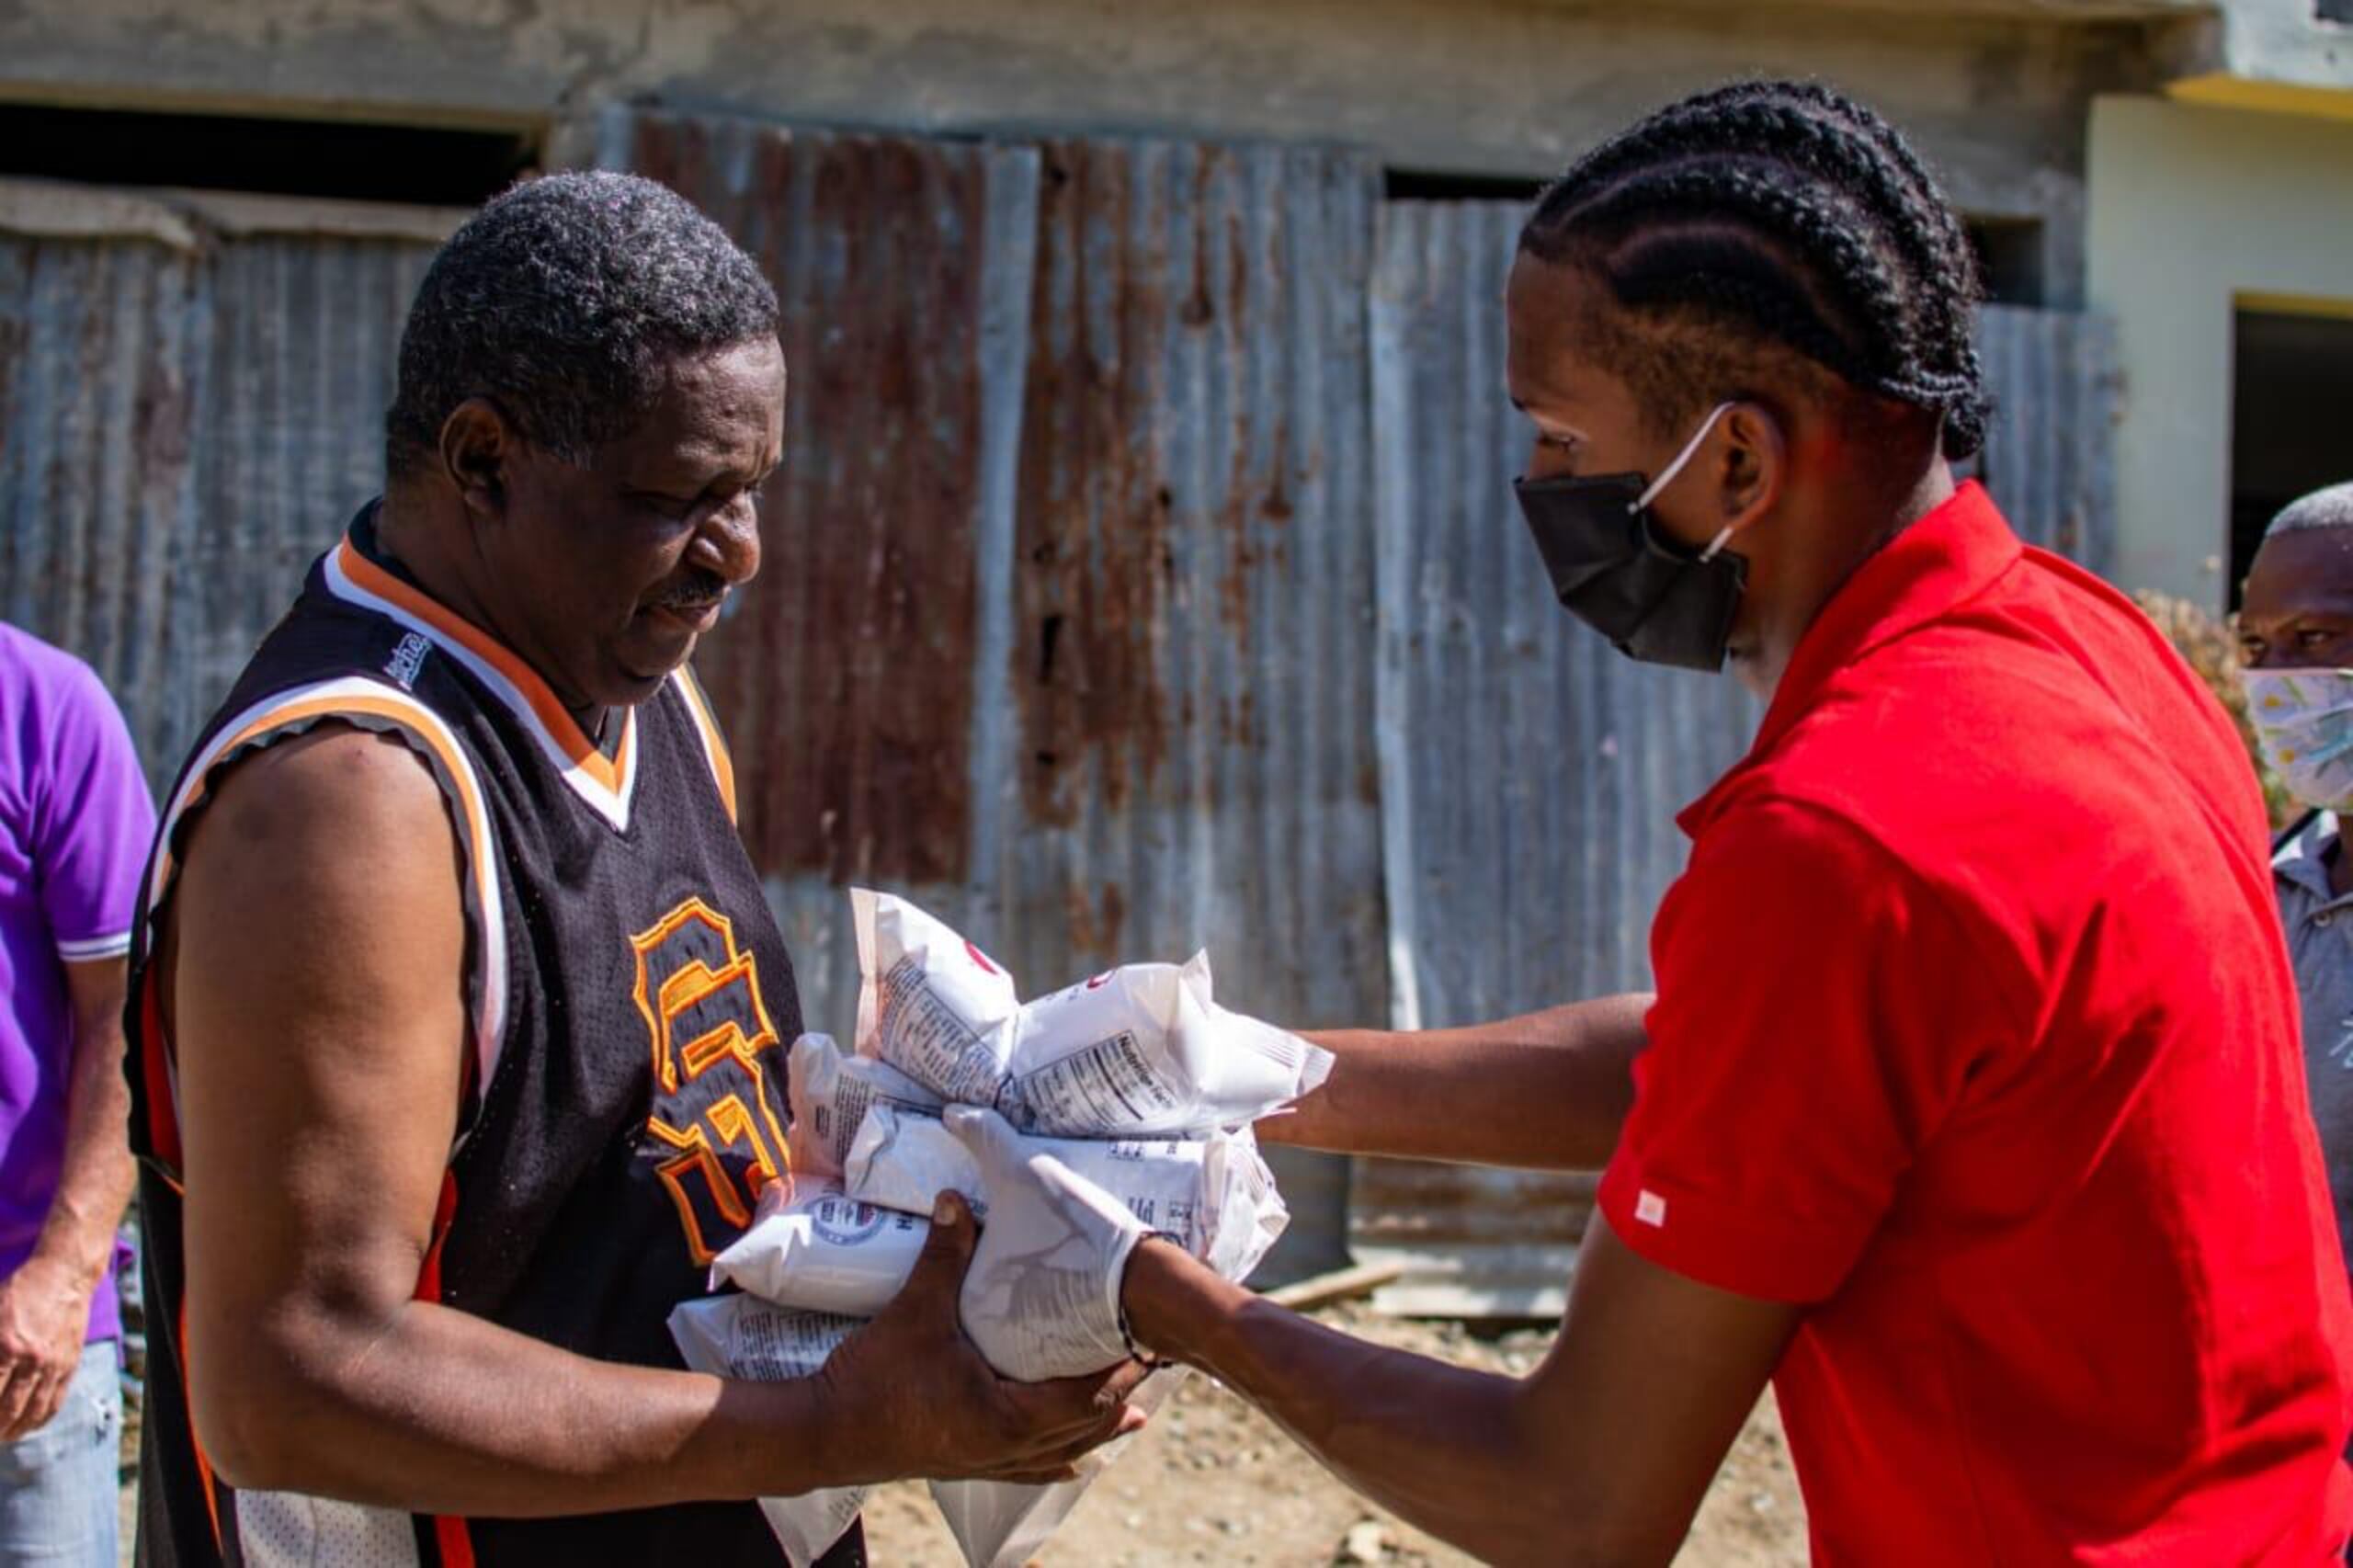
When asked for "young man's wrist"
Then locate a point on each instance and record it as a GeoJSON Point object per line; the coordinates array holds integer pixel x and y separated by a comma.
{"type": "Point", "coordinates": [1168, 1298]}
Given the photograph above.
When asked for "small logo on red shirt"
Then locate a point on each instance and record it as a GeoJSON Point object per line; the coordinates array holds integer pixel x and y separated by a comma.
{"type": "Point", "coordinates": [1650, 1208]}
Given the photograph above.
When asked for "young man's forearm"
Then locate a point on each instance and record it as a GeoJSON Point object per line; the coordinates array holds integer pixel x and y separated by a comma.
{"type": "Point", "coordinates": [1546, 1091]}
{"type": "Point", "coordinates": [1442, 1447]}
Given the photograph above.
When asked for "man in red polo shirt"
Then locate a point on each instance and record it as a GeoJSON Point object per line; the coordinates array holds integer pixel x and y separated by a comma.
{"type": "Point", "coordinates": [1970, 1107]}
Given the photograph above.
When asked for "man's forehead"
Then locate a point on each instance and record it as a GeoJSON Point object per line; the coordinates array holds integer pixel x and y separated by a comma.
{"type": "Point", "coordinates": [712, 406]}
{"type": "Point", "coordinates": [2302, 571]}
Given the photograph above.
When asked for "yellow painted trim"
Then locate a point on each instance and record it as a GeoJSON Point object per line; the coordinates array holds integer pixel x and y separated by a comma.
{"type": "Point", "coordinates": [2319, 305]}
{"type": "Point", "coordinates": [2221, 90]}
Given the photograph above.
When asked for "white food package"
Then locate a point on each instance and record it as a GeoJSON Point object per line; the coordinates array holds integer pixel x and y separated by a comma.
{"type": "Point", "coordinates": [736, 1336]}
{"type": "Point", "coordinates": [929, 1002]}
{"type": "Point", "coordinates": [1212, 1194]}
{"type": "Point", "coordinates": [1001, 1524]}
{"type": "Point", "coordinates": [816, 1250]}
{"type": "Point", "coordinates": [1142, 1049]}
{"type": "Point", "coordinates": [830, 1093]}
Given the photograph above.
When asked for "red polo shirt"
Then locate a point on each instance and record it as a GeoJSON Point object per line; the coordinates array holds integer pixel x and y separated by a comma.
{"type": "Point", "coordinates": [1975, 1033]}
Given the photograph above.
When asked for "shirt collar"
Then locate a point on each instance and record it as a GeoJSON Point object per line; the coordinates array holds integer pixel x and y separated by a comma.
{"type": "Point", "coordinates": [2303, 861]}
{"type": "Point", "coordinates": [1940, 561]}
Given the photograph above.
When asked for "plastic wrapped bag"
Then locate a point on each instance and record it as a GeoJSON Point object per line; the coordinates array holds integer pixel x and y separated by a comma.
{"type": "Point", "coordinates": [1001, 1524]}
{"type": "Point", "coordinates": [816, 1250]}
{"type": "Point", "coordinates": [1142, 1049]}
{"type": "Point", "coordinates": [736, 1336]}
{"type": "Point", "coordinates": [929, 1002]}
{"type": "Point", "coordinates": [830, 1093]}
{"type": "Point", "coordinates": [1210, 1193]}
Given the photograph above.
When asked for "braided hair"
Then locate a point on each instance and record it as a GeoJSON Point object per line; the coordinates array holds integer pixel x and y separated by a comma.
{"type": "Point", "coordinates": [1787, 213]}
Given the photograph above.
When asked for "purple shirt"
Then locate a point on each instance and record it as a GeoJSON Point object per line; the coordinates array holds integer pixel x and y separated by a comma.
{"type": "Point", "coordinates": [75, 820]}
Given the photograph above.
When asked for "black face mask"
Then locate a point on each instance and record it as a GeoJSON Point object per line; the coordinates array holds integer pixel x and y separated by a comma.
{"type": "Point", "coordinates": [1655, 600]}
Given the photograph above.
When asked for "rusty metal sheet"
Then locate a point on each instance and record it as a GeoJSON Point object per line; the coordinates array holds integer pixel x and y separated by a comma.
{"type": "Point", "coordinates": [847, 675]}
{"type": "Point", "coordinates": [1190, 672]}
{"type": "Point", "coordinates": [181, 429]}
{"type": "Point", "coordinates": [1529, 775]}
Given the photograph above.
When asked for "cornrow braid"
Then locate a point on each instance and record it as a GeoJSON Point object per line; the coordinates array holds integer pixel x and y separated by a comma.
{"type": "Point", "coordinates": [1791, 212]}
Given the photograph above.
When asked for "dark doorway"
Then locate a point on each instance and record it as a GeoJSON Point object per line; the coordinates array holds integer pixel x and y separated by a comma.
{"type": "Point", "coordinates": [349, 160]}
{"type": "Point", "coordinates": [2291, 388]}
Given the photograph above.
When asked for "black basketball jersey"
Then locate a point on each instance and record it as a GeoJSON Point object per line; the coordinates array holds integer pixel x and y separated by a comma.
{"type": "Point", "coordinates": [627, 994]}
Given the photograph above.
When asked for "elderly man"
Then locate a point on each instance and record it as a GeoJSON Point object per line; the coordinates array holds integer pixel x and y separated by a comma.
{"type": "Point", "coordinates": [458, 1003]}
{"type": "Point", "coordinates": [2296, 635]}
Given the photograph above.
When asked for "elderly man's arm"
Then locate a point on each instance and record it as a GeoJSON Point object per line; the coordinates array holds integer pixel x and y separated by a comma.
{"type": "Point", "coordinates": [1546, 1091]}
{"type": "Point", "coordinates": [1599, 1455]}
{"type": "Point", "coordinates": [320, 1030]}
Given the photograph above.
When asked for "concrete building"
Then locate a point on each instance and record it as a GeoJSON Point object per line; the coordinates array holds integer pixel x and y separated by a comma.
{"type": "Point", "coordinates": [1994, 89]}
{"type": "Point", "coordinates": [2221, 242]}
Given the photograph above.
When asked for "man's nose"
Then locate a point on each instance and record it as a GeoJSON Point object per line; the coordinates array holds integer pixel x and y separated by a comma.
{"type": "Point", "coordinates": [728, 540]}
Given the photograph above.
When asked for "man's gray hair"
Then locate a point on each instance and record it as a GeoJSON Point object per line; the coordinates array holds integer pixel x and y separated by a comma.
{"type": "Point", "coordinates": [2329, 508]}
{"type": "Point", "coordinates": [562, 303]}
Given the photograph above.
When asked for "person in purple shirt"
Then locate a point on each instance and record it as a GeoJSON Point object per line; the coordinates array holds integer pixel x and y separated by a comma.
{"type": "Point", "coordinates": [75, 820]}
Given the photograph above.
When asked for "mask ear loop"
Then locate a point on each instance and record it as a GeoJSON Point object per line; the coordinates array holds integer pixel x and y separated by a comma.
{"type": "Point", "coordinates": [1666, 476]}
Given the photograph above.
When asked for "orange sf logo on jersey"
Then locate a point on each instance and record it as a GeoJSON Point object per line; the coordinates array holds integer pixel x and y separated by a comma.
{"type": "Point", "coordinates": [699, 995]}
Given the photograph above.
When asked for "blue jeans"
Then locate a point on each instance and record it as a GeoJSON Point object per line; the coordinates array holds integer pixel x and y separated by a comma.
{"type": "Point", "coordinates": [58, 1488]}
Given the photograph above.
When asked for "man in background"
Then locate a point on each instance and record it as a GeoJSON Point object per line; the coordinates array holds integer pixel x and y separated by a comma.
{"type": "Point", "coordinates": [2296, 635]}
{"type": "Point", "coordinates": [74, 824]}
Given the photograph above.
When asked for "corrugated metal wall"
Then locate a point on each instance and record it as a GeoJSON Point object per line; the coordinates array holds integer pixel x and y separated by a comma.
{"type": "Point", "coordinates": [1191, 760]}
{"type": "Point", "coordinates": [182, 428]}
{"type": "Point", "coordinates": [1094, 615]}
{"type": "Point", "coordinates": [1529, 774]}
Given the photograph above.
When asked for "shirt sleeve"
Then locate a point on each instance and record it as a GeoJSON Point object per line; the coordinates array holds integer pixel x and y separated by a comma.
{"type": "Point", "coordinates": [1818, 1012]}
{"type": "Point", "coordinates": [93, 821]}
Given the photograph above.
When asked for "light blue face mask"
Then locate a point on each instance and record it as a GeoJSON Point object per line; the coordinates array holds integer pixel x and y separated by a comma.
{"type": "Point", "coordinates": [2304, 720]}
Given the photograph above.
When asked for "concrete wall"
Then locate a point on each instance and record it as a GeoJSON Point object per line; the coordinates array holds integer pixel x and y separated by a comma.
{"type": "Point", "coordinates": [2192, 209]}
{"type": "Point", "coordinates": [1509, 86]}
{"type": "Point", "coordinates": [2275, 55]}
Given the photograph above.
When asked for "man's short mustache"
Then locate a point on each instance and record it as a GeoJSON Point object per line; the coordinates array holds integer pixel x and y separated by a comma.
{"type": "Point", "coordinates": [696, 588]}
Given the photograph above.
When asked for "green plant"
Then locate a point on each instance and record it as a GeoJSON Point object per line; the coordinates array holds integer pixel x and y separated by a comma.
{"type": "Point", "coordinates": [2211, 647]}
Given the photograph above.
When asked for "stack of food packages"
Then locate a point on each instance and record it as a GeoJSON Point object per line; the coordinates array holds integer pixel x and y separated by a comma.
{"type": "Point", "coordinates": [1136, 1080]}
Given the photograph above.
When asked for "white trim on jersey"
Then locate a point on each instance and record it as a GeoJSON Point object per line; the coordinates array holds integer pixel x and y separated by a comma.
{"type": "Point", "coordinates": [91, 949]}
{"type": "Point", "coordinates": [358, 699]}
{"type": "Point", "coordinates": [714, 749]}
{"type": "Point", "coordinates": [612, 804]}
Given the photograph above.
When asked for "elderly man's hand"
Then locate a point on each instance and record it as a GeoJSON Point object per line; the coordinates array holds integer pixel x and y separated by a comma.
{"type": "Point", "coordinates": [911, 1396]}
{"type": "Point", "coordinates": [44, 1313]}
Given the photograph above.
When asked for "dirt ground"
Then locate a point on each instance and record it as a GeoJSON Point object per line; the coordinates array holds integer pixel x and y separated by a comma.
{"type": "Point", "coordinates": [1211, 1481]}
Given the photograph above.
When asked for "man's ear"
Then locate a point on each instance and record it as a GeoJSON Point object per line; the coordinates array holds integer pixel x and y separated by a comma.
{"type": "Point", "coordinates": [477, 446]}
{"type": "Point", "coordinates": [1753, 467]}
